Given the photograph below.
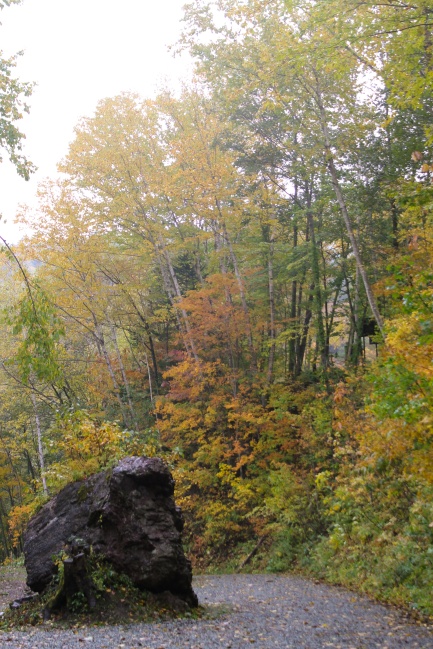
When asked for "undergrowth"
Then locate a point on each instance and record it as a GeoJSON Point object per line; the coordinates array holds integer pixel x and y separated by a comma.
{"type": "Point", "coordinates": [118, 601]}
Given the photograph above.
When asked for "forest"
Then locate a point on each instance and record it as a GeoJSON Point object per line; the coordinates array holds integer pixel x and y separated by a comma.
{"type": "Point", "coordinates": [237, 277]}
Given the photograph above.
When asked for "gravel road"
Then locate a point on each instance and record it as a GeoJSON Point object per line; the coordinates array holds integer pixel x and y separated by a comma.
{"type": "Point", "coordinates": [262, 610]}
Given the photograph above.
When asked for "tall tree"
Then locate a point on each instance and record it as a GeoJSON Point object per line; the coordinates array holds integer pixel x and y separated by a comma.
{"type": "Point", "coordinates": [276, 53]}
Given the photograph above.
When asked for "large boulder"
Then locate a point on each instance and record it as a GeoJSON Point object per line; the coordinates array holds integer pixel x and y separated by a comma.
{"type": "Point", "coordinates": [129, 518]}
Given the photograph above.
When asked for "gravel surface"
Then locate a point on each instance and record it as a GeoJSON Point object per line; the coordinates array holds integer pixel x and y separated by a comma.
{"type": "Point", "coordinates": [264, 610]}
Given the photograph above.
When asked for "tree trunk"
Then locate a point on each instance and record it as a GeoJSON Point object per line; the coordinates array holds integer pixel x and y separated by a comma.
{"type": "Point", "coordinates": [124, 377]}
{"type": "Point", "coordinates": [241, 290]}
{"type": "Point", "coordinates": [300, 352]}
{"type": "Point", "coordinates": [317, 292]}
{"type": "Point", "coordinates": [100, 342]}
{"type": "Point", "coordinates": [3, 518]}
{"type": "Point", "coordinates": [294, 322]}
{"type": "Point", "coordinates": [343, 207]}
{"type": "Point", "coordinates": [271, 310]}
{"type": "Point", "coordinates": [39, 438]}
{"type": "Point", "coordinates": [75, 580]}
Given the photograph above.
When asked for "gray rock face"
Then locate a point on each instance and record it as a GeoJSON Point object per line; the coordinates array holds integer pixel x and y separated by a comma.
{"type": "Point", "coordinates": [128, 516]}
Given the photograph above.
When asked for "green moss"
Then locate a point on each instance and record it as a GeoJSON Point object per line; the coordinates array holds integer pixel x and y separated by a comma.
{"type": "Point", "coordinates": [82, 493]}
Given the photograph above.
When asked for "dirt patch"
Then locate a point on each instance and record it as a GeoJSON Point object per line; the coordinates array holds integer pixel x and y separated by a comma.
{"type": "Point", "coordinates": [12, 584]}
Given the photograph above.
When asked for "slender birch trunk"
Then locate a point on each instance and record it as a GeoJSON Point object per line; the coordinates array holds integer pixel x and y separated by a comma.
{"type": "Point", "coordinates": [178, 295]}
{"type": "Point", "coordinates": [271, 309]}
{"type": "Point", "coordinates": [242, 294]}
{"type": "Point", "coordinates": [317, 296]}
{"type": "Point", "coordinates": [100, 342]}
{"type": "Point", "coordinates": [170, 281]}
{"type": "Point", "coordinates": [294, 320]}
{"type": "Point", "coordinates": [343, 207]}
{"type": "Point", "coordinates": [39, 439]}
{"type": "Point", "coordinates": [124, 377]}
{"type": "Point", "coordinates": [233, 357]}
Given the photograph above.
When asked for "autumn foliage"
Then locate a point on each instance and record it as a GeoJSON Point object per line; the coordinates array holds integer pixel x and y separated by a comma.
{"type": "Point", "coordinates": [239, 278]}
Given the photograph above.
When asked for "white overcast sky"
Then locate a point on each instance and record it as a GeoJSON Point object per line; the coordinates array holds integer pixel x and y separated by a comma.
{"type": "Point", "coordinates": [78, 52]}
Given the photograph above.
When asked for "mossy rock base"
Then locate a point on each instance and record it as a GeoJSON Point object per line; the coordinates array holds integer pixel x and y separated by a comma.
{"type": "Point", "coordinates": [122, 605]}
{"type": "Point", "coordinates": [114, 600]}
